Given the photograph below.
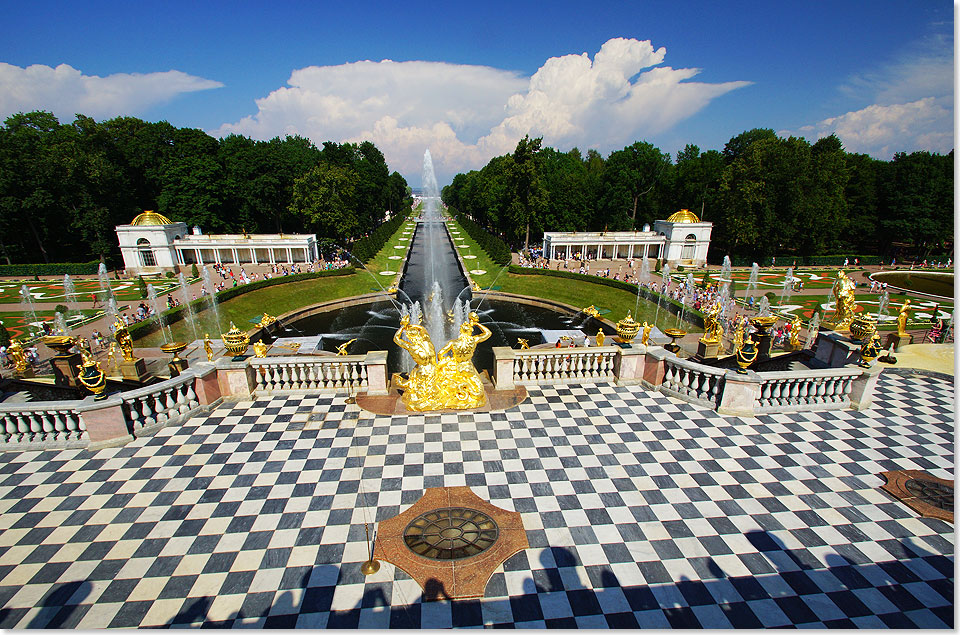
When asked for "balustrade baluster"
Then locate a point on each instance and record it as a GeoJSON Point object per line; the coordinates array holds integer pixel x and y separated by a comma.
{"type": "Point", "coordinates": [803, 397]}
{"type": "Point", "coordinates": [45, 424]}
{"type": "Point", "coordinates": [9, 423]}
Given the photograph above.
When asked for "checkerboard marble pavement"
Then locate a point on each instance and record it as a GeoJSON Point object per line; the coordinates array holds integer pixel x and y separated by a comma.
{"type": "Point", "coordinates": [641, 511]}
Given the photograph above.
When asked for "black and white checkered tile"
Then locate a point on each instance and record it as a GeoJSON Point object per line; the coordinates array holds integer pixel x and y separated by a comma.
{"type": "Point", "coordinates": [641, 511]}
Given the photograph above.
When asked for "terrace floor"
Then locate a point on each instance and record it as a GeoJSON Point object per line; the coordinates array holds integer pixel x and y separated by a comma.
{"type": "Point", "coordinates": [640, 511]}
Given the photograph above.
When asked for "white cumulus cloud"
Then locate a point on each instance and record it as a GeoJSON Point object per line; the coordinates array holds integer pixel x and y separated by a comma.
{"type": "Point", "coordinates": [910, 104]}
{"type": "Point", "coordinates": [66, 91]}
{"type": "Point", "coordinates": [881, 131]}
{"type": "Point", "coordinates": [467, 114]}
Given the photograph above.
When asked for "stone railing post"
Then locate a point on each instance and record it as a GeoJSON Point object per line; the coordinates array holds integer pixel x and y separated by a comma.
{"type": "Point", "coordinates": [629, 364]}
{"type": "Point", "coordinates": [861, 392]}
{"type": "Point", "coordinates": [740, 394]}
{"type": "Point", "coordinates": [504, 357]}
{"type": "Point", "coordinates": [376, 362]}
{"type": "Point", "coordinates": [106, 425]}
{"type": "Point", "coordinates": [236, 379]}
{"type": "Point", "coordinates": [654, 366]}
{"type": "Point", "coordinates": [207, 386]}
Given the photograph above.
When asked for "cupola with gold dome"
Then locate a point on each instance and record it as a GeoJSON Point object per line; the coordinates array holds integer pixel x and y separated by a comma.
{"type": "Point", "coordinates": [150, 217]}
{"type": "Point", "coordinates": [683, 216]}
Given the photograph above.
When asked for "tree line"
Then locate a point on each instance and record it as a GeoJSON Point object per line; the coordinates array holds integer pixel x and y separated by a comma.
{"type": "Point", "coordinates": [766, 195]}
{"type": "Point", "coordinates": [64, 187]}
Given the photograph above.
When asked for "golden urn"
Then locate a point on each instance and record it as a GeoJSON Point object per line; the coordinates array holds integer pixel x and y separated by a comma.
{"type": "Point", "coordinates": [235, 341]}
{"type": "Point", "coordinates": [674, 335]}
{"type": "Point", "coordinates": [260, 349]}
{"type": "Point", "coordinates": [627, 329]}
{"type": "Point", "coordinates": [92, 378]}
{"type": "Point", "coordinates": [746, 355]}
{"type": "Point", "coordinates": [863, 326]}
{"type": "Point", "coordinates": [175, 348]}
{"type": "Point", "coordinates": [60, 343]}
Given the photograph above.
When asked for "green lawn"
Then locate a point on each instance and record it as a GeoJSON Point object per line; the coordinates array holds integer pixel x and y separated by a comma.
{"type": "Point", "coordinates": [580, 293]}
{"type": "Point", "coordinates": [468, 247]}
{"type": "Point", "coordinates": [383, 261]}
{"type": "Point", "coordinates": [275, 300]}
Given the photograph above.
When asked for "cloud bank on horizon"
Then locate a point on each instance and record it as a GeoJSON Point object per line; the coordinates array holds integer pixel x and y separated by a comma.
{"type": "Point", "coordinates": [66, 91]}
{"type": "Point", "coordinates": [911, 109]}
{"type": "Point", "coordinates": [466, 115]}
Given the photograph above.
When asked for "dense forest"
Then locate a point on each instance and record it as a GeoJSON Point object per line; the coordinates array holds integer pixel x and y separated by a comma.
{"type": "Point", "coordinates": [64, 187]}
{"type": "Point", "coordinates": [764, 194]}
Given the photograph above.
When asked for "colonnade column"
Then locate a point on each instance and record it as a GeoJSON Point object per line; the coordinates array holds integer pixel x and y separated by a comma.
{"type": "Point", "coordinates": [289, 256]}
{"type": "Point", "coordinates": [199, 255]}
{"type": "Point", "coordinates": [272, 259]}
{"type": "Point", "coordinates": [253, 256]}
{"type": "Point", "coordinates": [233, 252]}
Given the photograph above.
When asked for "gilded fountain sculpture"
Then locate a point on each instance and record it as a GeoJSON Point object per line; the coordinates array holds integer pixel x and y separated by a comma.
{"type": "Point", "coordinates": [444, 380]}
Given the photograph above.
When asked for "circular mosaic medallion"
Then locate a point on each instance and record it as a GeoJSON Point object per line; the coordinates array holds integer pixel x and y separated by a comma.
{"type": "Point", "coordinates": [931, 492]}
{"type": "Point", "coordinates": [451, 533]}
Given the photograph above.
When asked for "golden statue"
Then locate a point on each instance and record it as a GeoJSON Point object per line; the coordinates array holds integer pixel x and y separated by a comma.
{"type": "Point", "coordinates": [123, 341]}
{"type": "Point", "coordinates": [112, 356]}
{"type": "Point", "coordinates": [524, 344]}
{"type": "Point", "coordinates": [260, 349]}
{"type": "Point", "coordinates": [419, 387]}
{"type": "Point", "coordinates": [19, 358]}
{"type": "Point", "coordinates": [869, 350]}
{"type": "Point", "coordinates": [600, 337]}
{"type": "Point", "coordinates": [266, 320]}
{"type": "Point", "coordinates": [645, 338]}
{"type": "Point", "coordinates": [738, 336]}
{"type": "Point", "coordinates": [846, 302]}
{"type": "Point", "coordinates": [712, 329]}
{"type": "Point", "coordinates": [795, 333]}
{"type": "Point", "coordinates": [457, 378]}
{"type": "Point", "coordinates": [448, 380]}
{"type": "Point", "coordinates": [591, 311]}
{"type": "Point", "coordinates": [342, 349]}
{"type": "Point", "coordinates": [902, 317]}
{"type": "Point", "coordinates": [208, 347]}
{"type": "Point", "coordinates": [474, 286]}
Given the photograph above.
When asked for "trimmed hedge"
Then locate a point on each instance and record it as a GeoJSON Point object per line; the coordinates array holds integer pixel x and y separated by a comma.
{"type": "Point", "coordinates": [693, 315]}
{"type": "Point", "coordinates": [367, 248]}
{"type": "Point", "coordinates": [171, 316]}
{"type": "Point", "coordinates": [498, 250]}
{"type": "Point", "coordinates": [51, 269]}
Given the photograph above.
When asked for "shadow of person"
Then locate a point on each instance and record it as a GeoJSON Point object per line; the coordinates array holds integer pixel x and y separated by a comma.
{"type": "Point", "coordinates": [434, 590]}
{"type": "Point", "coordinates": [280, 609]}
{"type": "Point", "coordinates": [59, 604]}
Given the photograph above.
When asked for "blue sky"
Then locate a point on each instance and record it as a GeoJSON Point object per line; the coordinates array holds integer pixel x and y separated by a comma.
{"type": "Point", "coordinates": [879, 74]}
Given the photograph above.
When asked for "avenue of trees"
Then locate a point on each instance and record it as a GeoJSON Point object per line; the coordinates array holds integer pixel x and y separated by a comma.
{"type": "Point", "coordinates": [765, 195]}
{"type": "Point", "coordinates": [64, 187]}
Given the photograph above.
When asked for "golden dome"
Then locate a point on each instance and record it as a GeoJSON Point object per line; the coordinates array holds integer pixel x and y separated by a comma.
{"type": "Point", "coordinates": [683, 216]}
{"type": "Point", "coordinates": [150, 217]}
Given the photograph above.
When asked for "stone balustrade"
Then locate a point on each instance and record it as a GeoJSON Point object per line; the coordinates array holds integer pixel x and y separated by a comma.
{"type": "Point", "coordinates": [697, 383]}
{"type": "Point", "coordinates": [274, 375]}
{"type": "Point", "coordinates": [561, 365]}
{"type": "Point", "coordinates": [791, 391]}
{"type": "Point", "coordinates": [54, 424]}
{"type": "Point", "coordinates": [152, 407]}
